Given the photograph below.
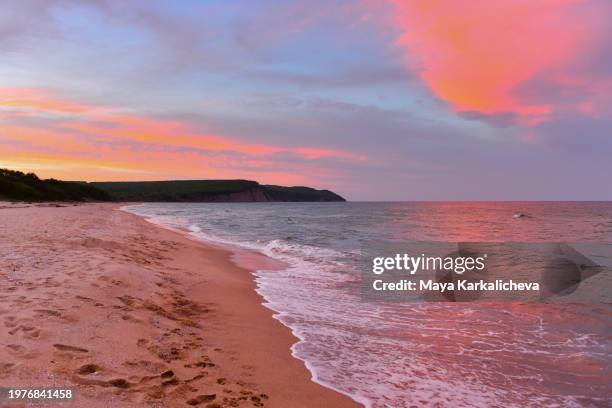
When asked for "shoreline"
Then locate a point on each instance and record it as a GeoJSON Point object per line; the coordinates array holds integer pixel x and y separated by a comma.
{"type": "Point", "coordinates": [247, 258]}
{"type": "Point", "coordinates": [164, 319]}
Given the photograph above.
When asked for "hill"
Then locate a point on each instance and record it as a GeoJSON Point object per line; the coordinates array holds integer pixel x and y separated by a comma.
{"type": "Point", "coordinates": [15, 185]}
{"type": "Point", "coordinates": [211, 191]}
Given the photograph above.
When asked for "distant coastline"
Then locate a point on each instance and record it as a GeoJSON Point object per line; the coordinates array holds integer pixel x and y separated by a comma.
{"type": "Point", "coordinates": [18, 186]}
{"type": "Point", "coordinates": [211, 191]}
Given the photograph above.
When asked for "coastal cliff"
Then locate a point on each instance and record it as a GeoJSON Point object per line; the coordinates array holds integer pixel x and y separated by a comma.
{"type": "Point", "coordinates": [211, 191]}
{"type": "Point", "coordinates": [18, 186]}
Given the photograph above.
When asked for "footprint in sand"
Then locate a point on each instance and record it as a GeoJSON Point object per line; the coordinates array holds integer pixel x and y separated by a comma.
{"type": "Point", "coordinates": [201, 399]}
{"type": "Point", "coordinates": [53, 313]}
{"type": "Point", "coordinates": [117, 382]}
{"type": "Point", "coordinates": [27, 331]}
{"type": "Point", "coordinates": [88, 369]}
{"type": "Point", "coordinates": [20, 351]}
{"type": "Point", "coordinates": [6, 369]}
{"type": "Point", "coordinates": [128, 300]}
{"type": "Point", "coordinates": [167, 374]}
{"type": "Point", "coordinates": [142, 342]}
{"type": "Point", "coordinates": [149, 366]}
{"type": "Point", "coordinates": [64, 347]}
{"type": "Point", "coordinates": [10, 321]}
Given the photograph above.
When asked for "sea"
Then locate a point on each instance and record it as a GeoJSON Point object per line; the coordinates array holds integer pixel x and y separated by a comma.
{"type": "Point", "coordinates": [418, 354]}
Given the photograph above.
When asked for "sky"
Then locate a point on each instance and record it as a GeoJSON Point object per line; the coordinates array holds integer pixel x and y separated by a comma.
{"type": "Point", "coordinates": [373, 99]}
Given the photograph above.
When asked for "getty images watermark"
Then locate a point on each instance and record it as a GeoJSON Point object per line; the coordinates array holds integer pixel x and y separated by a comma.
{"type": "Point", "coordinates": [459, 272]}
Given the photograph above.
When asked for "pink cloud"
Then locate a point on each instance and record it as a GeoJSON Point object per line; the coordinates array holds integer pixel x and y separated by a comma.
{"type": "Point", "coordinates": [76, 140]}
{"type": "Point", "coordinates": [480, 55]}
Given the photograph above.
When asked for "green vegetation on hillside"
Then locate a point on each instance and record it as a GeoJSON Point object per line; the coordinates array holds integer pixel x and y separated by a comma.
{"type": "Point", "coordinates": [211, 191]}
{"type": "Point", "coordinates": [177, 190]}
{"type": "Point", "coordinates": [279, 193]}
{"type": "Point", "coordinates": [15, 185]}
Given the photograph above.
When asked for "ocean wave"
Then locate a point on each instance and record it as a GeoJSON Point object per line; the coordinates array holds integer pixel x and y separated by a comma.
{"type": "Point", "coordinates": [286, 250]}
{"type": "Point", "coordinates": [398, 355]}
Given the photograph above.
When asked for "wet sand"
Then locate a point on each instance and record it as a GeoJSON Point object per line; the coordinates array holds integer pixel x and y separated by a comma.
{"type": "Point", "coordinates": [133, 315]}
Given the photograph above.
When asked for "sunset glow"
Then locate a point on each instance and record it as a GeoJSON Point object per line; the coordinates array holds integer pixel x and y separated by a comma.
{"type": "Point", "coordinates": [477, 55]}
{"type": "Point", "coordinates": [383, 93]}
{"type": "Point", "coordinates": [93, 141]}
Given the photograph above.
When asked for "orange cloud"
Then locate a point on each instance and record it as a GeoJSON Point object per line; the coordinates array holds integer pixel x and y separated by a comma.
{"type": "Point", "coordinates": [36, 99]}
{"type": "Point", "coordinates": [476, 54]}
{"type": "Point", "coordinates": [80, 141]}
{"type": "Point", "coordinates": [125, 164]}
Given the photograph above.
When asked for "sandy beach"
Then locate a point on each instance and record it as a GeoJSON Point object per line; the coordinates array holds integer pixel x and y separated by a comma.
{"type": "Point", "coordinates": [129, 314]}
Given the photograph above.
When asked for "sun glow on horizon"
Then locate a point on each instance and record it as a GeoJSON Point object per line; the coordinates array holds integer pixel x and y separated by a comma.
{"type": "Point", "coordinates": [91, 143]}
{"type": "Point", "coordinates": [393, 99]}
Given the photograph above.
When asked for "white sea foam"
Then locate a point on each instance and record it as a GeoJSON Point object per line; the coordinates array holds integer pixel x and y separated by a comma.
{"type": "Point", "coordinates": [395, 355]}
